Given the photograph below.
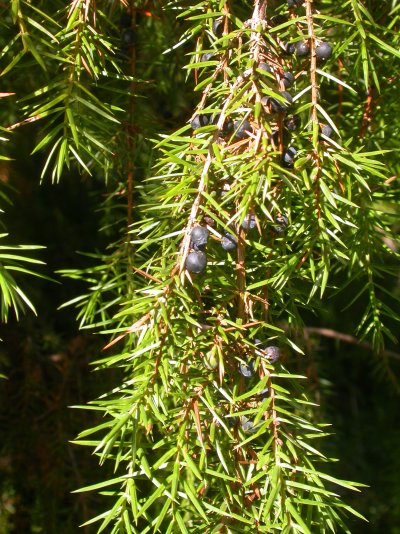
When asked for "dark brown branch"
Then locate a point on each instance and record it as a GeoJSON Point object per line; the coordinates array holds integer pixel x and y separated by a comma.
{"type": "Point", "coordinates": [346, 338]}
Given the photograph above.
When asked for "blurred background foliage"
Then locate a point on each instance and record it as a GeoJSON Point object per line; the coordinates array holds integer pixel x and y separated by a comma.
{"type": "Point", "coordinates": [46, 359]}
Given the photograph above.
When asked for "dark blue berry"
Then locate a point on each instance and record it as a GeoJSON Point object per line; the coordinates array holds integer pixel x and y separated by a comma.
{"type": "Point", "coordinates": [277, 20]}
{"type": "Point", "coordinates": [272, 353]}
{"type": "Point", "coordinates": [264, 393]}
{"type": "Point", "coordinates": [287, 158]}
{"type": "Point", "coordinates": [302, 48]}
{"type": "Point", "coordinates": [218, 27]}
{"type": "Point", "coordinates": [277, 106]}
{"type": "Point", "coordinates": [323, 51]}
{"type": "Point", "coordinates": [228, 242]}
{"type": "Point", "coordinates": [288, 79]}
{"type": "Point", "coordinates": [292, 123]}
{"type": "Point", "coordinates": [208, 56]}
{"type": "Point", "coordinates": [282, 223]}
{"type": "Point", "coordinates": [289, 48]}
{"type": "Point", "coordinates": [265, 66]}
{"type": "Point", "coordinates": [282, 220]}
{"type": "Point", "coordinates": [232, 420]}
{"type": "Point", "coordinates": [285, 137]}
{"type": "Point", "coordinates": [242, 129]}
{"type": "Point", "coordinates": [199, 121]}
{"type": "Point", "coordinates": [295, 3]}
{"type": "Point", "coordinates": [227, 127]}
{"type": "Point", "coordinates": [246, 370]}
{"type": "Point", "coordinates": [248, 426]}
{"type": "Point", "coordinates": [249, 222]}
{"type": "Point", "coordinates": [196, 262]}
{"type": "Point", "coordinates": [199, 236]}
{"type": "Point", "coordinates": [327, 130]}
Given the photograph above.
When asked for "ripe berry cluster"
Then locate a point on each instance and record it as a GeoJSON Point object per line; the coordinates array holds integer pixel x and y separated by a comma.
{"type": "Point", "coordinates": [274, 70]}
{"type": "Point", "coordinates": [271, 354]}
{"type": "Point", "coordinates": [196, 260]}
{"type": "Point", "coordinates": [274, 75]}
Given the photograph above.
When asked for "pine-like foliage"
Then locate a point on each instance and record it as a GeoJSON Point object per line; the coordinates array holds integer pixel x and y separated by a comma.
{"type": "Point", "coordinates": [274, 188]}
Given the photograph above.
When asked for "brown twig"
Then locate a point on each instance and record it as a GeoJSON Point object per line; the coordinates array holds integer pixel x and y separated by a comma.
{"type": "Point", "coordinates": [367, 115]}
{"type": "Point", "coordinates": [346, 338]}
{"type": "Point", "coordinates": [314, 98]}
{"type": "Point", "coordinates": [340, 89]}
{"type": "Point", "coordinates": [258, 19]}
{"type": "Point", "coordinates": [241, 276]}
{"type": "Point", "coordinates": [313, 61]}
